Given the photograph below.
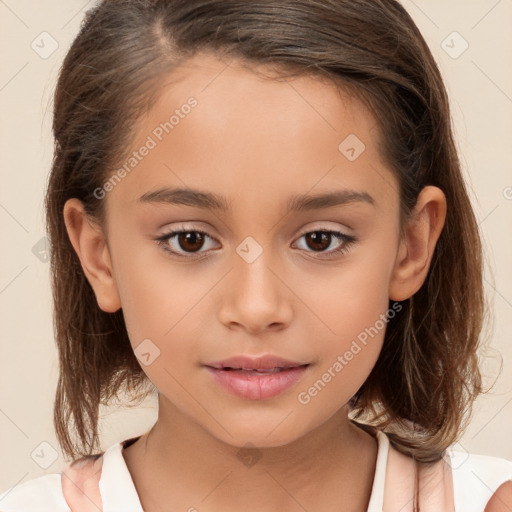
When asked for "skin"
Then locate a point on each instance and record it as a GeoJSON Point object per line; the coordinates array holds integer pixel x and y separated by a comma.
{"type": "Point", "coordinates": [256, 141]}
{"type": "Point", "coordinates": [501, 500]}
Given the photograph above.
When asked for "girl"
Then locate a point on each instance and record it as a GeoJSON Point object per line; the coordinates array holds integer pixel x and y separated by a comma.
{"type": "Point", "coordinates": [256, 209]}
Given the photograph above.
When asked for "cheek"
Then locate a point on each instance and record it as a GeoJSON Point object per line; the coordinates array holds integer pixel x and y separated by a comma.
{"type": "Point", "coordinates": [352, 303]}
{"type": "Point", "coordinates": [350, 298]}
{"type": "Point", "coordinates": [150, 287]}
{"type": "Point", "coordinates": [163, 303]}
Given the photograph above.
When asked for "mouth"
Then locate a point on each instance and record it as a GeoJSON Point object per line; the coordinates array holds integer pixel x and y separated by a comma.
{"type": "Point", "coordinates": [266, 371]}
{"type": "Point", "coordinates": [264, 364]}
{"type": "Point", "coordinates": [257, 379]}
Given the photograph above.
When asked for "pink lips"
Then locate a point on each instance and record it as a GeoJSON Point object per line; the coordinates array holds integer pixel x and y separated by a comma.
{"type": "Point", "coordinates": [256, 378]}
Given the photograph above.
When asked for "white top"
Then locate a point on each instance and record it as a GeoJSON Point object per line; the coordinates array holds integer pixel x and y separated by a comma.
{"type": "Point", "coordinates": [475, 479]}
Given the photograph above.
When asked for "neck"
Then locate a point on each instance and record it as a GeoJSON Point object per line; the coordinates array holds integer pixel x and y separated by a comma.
{"type": "Point", "coordinates": [177, 462]}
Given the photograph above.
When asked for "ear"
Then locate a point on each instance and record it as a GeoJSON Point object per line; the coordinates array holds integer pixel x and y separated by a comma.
{"type": "Point", "coordinates": [91, 247]}
{"type": "Point", "coordinates": [417, 246]}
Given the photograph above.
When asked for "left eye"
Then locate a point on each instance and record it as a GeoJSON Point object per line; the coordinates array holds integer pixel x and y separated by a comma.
{"type": "Point", "coordinates": [189, 242]}
{"type": "Point", "coordinates": [320, 240]}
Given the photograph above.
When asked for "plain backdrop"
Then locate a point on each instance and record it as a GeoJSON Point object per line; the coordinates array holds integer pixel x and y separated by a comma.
{"type": "Point", "coordinates": [472, 44]}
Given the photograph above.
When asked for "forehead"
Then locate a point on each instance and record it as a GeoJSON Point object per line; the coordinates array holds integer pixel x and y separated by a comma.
{"type": "Point", "coordinates": [219, 125]}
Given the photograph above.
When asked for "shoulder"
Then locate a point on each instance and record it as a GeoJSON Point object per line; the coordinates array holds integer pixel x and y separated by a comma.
{"type": "Point", "coordinates": [481, 482]}
{"type": "Point", "coordinates": [99, 482]}
{"type": "Point", "coordinates": [55, 491]}
{"type": "Point", "coordinates": [501, 500]}
{"type": "Point", "coordinates": [40, 494]}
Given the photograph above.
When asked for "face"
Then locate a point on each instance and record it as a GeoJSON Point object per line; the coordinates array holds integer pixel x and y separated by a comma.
{"type": "Point", "coordinates": [270, 274]}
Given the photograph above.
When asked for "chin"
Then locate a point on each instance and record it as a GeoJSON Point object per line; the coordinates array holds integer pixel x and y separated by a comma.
{"type": "Point", "coordinates": [264, 436]}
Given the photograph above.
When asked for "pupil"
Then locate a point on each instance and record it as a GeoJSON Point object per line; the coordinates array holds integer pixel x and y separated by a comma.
{"type": "Point", "coordinates": [191, 238]}
{"type": "Point", "coordinates": [323, 237]}
{"type": "Point", "coordinates": [317, 240]}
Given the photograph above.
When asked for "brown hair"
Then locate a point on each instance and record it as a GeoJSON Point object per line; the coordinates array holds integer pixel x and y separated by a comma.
{"type": "Point", "coordinates": [423, 385]}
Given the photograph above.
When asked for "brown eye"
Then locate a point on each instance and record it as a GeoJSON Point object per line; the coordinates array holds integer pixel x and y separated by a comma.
{"type": "Point", "coordinates": [318, 240]}
{"type": "Point", "coordinates": [184, 241]}
{"type": "Point", "coordinates": [190, 241]}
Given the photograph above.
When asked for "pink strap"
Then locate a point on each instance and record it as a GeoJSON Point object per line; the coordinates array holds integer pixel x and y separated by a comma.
{"type": "Point", "coordinates": [80, 484]}
{"type": "Point", "coordinates": [404, 476]}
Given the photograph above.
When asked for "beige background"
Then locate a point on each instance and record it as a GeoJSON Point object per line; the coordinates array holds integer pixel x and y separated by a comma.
{"type": "Point", "coordinates": [479, 82]}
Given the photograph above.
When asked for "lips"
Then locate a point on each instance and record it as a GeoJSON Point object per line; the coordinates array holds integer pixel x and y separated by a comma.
{"type": "Point", "coordinates": [256, 378]}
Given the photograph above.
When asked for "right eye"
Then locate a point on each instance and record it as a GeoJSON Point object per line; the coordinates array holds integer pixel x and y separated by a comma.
{"type": "Point", "coordinates": [183, 242]}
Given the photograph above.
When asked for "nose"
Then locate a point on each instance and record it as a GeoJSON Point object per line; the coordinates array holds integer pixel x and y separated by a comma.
{"type": "Point", "coordinates": [255, 296]}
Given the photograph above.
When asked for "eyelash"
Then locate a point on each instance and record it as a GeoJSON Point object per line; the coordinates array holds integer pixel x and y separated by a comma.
{"type": "Point", "coordinates": [347, 240]}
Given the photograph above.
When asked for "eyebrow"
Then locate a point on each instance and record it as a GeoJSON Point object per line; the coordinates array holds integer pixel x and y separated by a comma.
{"type": "Point", "coordinates": [211, 201]}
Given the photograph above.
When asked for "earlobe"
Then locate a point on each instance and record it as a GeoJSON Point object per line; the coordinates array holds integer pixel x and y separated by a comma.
{"type": "Point", "coordinates": [91, 247]}
{"type": "Point", "coordinates": [416, 249]}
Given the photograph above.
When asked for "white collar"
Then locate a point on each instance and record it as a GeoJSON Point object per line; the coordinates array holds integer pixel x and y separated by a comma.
{"type": "Point", "coordinates": [118, 492]}
{"type": "Point", "coordinates": [117, 489]}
